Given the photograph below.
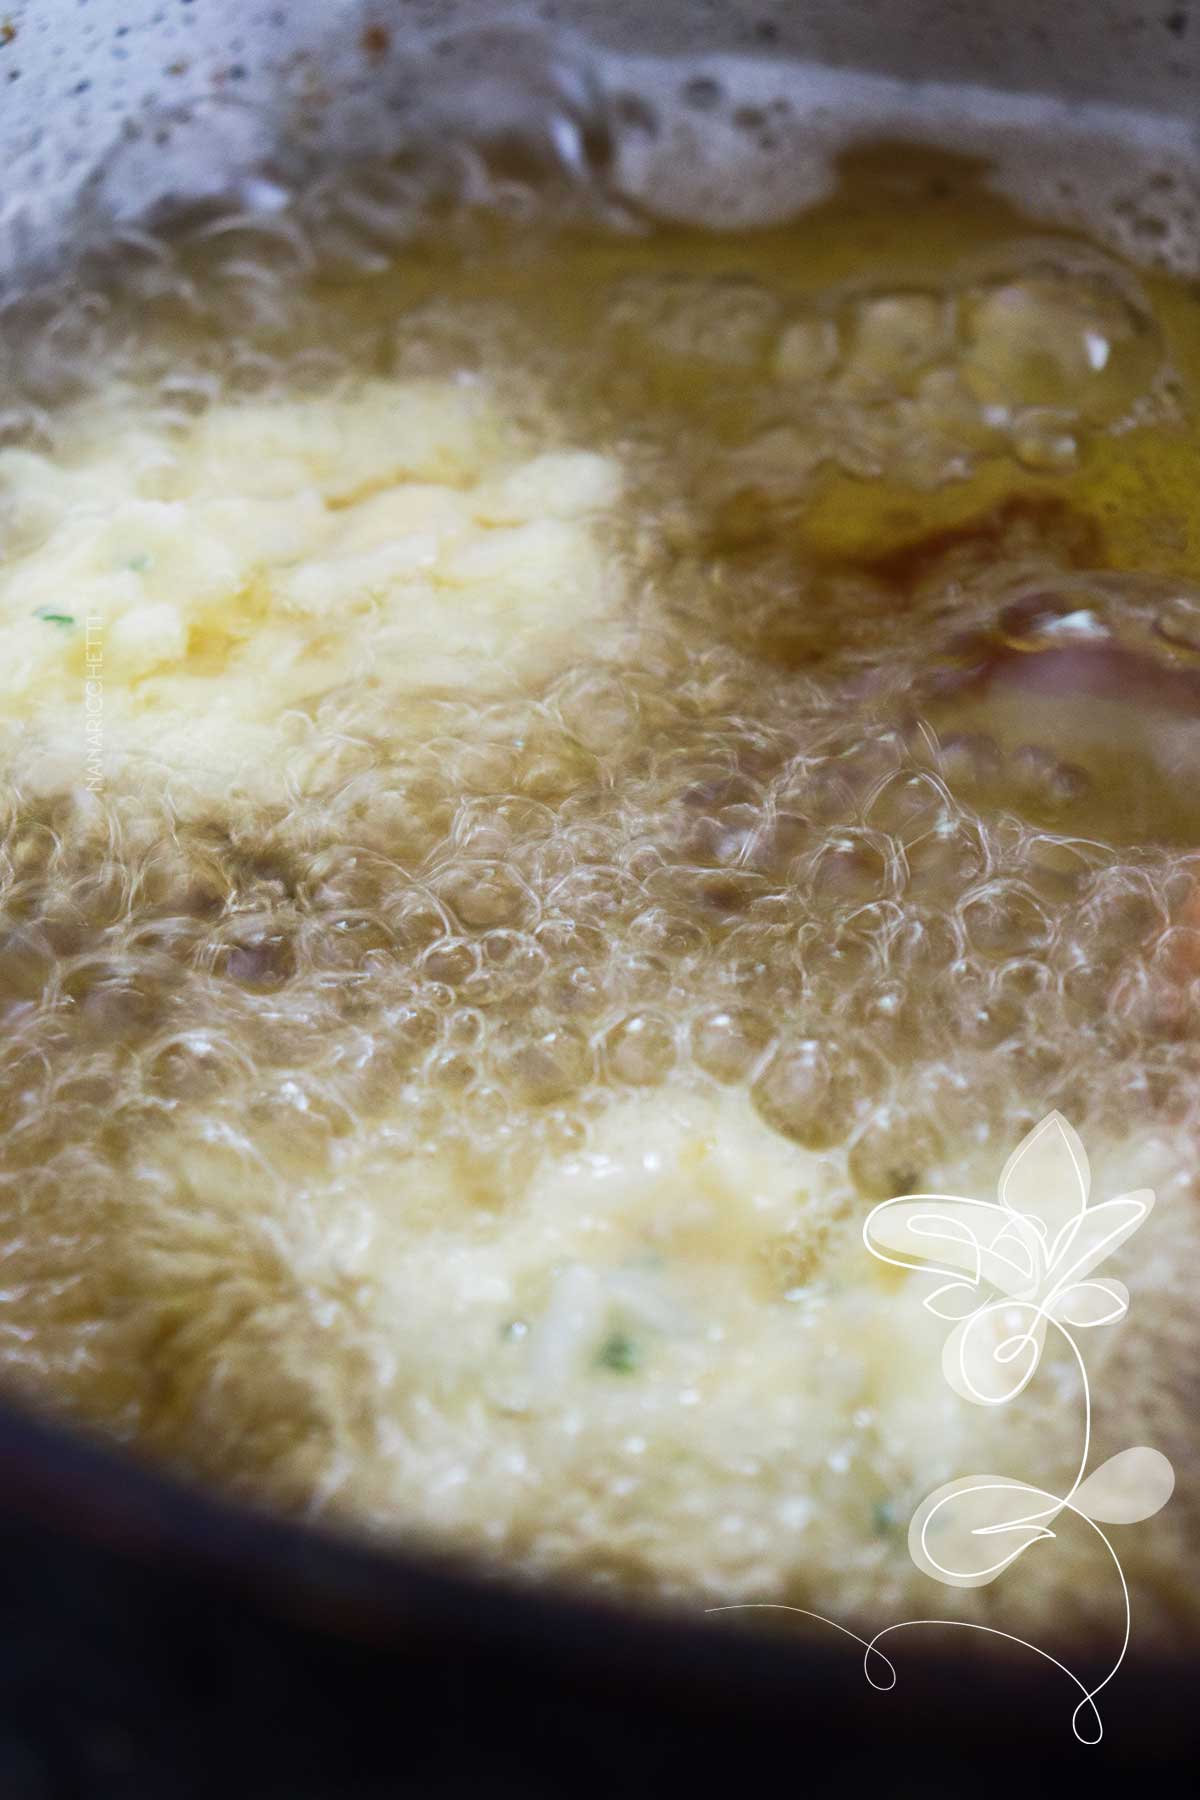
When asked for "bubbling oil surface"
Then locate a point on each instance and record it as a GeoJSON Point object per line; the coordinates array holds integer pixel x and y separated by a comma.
{"type": "Point", "coordinates": [881, 811]}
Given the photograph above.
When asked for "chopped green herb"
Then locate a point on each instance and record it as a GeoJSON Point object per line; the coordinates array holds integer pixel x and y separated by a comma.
{"type": "Point", "coordinates": [139, 562]}
{"type": "Point", "coordinates": [885, 1517]}
{"type": "Point", "coordinates": [53, 618]}
{"type": "Point", "coordinates": [619, 1353]}
{"type": "Point", "coordinates": [645, 1259]}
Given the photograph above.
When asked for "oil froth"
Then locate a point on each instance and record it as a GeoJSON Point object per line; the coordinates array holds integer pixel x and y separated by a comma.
{"type": "Point", "coordinates": [465, 1125]}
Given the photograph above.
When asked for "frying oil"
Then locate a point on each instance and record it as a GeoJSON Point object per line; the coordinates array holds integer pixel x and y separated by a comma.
{"type": "Point", "coordinates": [460, 1116]}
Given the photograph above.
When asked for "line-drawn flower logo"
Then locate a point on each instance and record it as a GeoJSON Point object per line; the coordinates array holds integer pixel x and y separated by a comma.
{"type": "Point", "coordinates": [1013, 1265]}
{"type": "Point", "coordinates": [1011, 1270]}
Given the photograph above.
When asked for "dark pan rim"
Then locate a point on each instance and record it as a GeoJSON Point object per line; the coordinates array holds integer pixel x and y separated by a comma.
{"type": "Point", "coordinates": [72, 1485]}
